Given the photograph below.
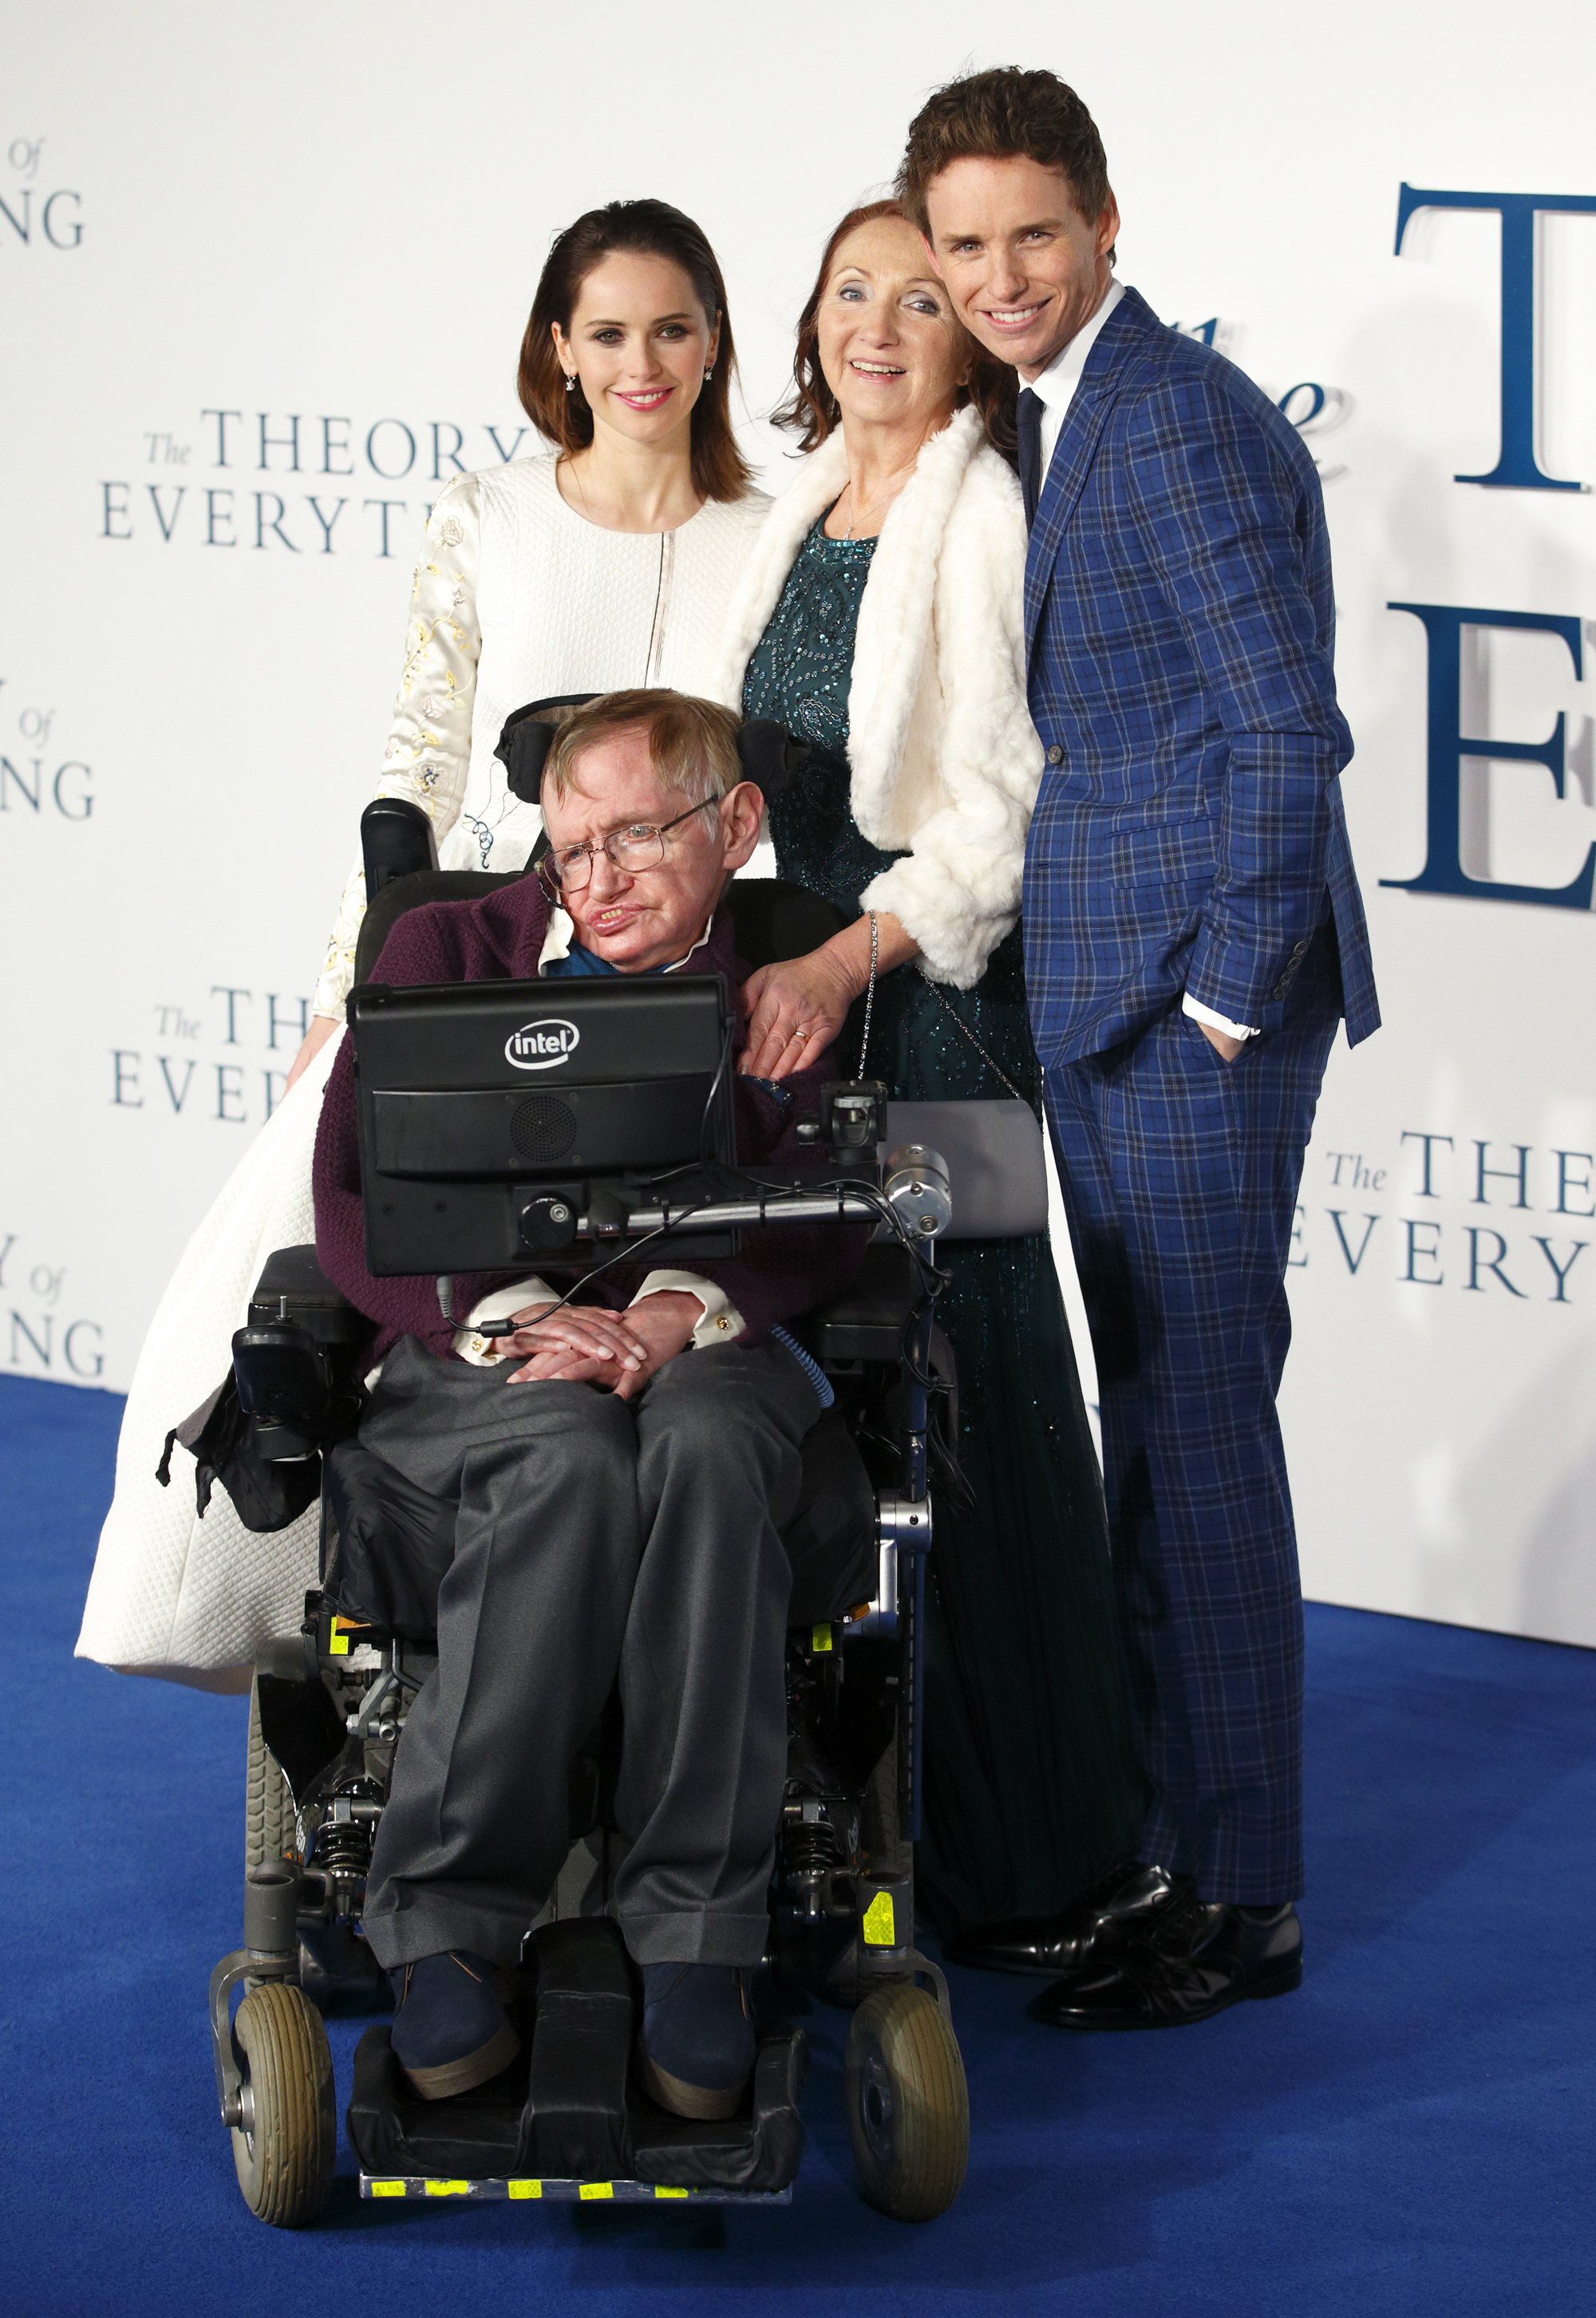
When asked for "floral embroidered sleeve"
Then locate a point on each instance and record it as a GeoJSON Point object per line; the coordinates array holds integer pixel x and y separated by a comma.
{"type": "Point", "coordinates": [429, 750]}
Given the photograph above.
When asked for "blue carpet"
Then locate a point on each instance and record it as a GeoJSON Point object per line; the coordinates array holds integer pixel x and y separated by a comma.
{"type": "Point", "coordinates": [1411, 2132]}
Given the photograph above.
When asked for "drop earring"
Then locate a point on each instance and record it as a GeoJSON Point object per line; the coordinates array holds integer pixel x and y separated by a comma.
{"type": "Point", "coordinates": [709, 374]}
{"type": "Point", "coordinates": [570, 386]}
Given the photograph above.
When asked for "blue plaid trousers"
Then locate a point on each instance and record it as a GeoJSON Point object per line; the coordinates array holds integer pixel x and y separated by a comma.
{"type": "Point", "coordinates": [1180, 1174]}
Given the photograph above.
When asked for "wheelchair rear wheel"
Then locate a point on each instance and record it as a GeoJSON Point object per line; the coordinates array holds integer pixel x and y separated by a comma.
{"type": "Point", "coordinates": [907, 2103]}
{"type": "Point", "coordinates": [268, 1806]}
{"type": "Point", "coordinates": [285, 2149]}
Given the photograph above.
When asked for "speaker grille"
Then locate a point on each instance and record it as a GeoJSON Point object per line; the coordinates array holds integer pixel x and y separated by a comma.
{"type": "Point", "coordinates": [543, 1127]}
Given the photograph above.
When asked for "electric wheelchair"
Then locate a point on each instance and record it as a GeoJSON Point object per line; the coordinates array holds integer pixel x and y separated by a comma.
{"type": "Point", "coordinates": [564, 2122]}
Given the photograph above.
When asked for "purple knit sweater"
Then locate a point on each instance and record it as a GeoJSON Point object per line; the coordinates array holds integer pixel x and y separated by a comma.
{"type": "Point", "coordinates": [783, 1269]}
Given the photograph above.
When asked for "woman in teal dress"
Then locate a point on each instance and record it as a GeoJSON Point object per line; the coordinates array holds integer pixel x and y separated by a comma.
{"type": "Point", "coordinates": [879, 621]}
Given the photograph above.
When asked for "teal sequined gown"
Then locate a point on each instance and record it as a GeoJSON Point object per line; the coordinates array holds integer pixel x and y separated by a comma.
{"type": "Point", "coordinates": [1030, 1777]}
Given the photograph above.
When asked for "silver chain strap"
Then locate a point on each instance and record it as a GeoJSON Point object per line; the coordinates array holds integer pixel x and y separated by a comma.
{"type": "Point", "coordinates": [954, 1015]}
{"type": "Point", "coordinates": [869, 995]}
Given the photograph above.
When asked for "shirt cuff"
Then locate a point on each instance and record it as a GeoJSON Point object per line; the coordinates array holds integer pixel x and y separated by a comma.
{"type": "Point", "coordinates": [471, 1345]}
{"type": "Point", "coordinates": [1201, 1013]}
{"type": "Point", "coordinates": [721, 1321]}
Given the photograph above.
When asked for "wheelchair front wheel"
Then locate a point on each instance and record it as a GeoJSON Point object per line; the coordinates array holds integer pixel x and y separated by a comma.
{"type": "Point", "coordinates": [907, 2103]}
{"type": "Point", "coordinates": [286, 2148]}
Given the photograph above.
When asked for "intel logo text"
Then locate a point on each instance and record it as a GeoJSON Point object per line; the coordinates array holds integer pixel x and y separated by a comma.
{"type": "Point", "coordinates": [541, 1046]}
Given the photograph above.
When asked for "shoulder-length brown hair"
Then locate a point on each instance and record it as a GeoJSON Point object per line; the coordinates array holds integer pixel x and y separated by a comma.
{"type": "Point", "coordinates": [647, 230]}
{"type": "Point", "coordinates": [811, 412]}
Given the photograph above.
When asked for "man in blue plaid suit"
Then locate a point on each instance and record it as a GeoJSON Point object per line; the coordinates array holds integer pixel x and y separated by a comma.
{"type": "Point", "coordinates": [1193, 934]}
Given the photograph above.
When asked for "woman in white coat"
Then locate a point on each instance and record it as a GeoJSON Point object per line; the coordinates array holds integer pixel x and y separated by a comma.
{"type": "Point", "coordinates": [608, 560]}
{"type": "Point", "coordinates": [880, 619]}
{"type": "Point", "coordinates": [605, 562]}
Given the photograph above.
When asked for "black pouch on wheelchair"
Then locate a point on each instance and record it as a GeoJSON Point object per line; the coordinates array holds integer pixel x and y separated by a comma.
{"type": "Point", "coordinates": [291, 1391]}
{"type": "Point", "coordinates": [220, 1438]}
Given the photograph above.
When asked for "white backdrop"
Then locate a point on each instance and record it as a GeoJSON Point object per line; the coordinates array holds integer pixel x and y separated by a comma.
{"type": "Point", "coordinates": [327, 224]}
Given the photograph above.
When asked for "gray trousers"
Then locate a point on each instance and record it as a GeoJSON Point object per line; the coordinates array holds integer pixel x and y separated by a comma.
{"type": "Point", "coordinates": [595, 1538]}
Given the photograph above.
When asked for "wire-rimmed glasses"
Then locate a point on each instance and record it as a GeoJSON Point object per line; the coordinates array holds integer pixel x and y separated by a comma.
{"type": "Point", "coordinates": [641, 845]}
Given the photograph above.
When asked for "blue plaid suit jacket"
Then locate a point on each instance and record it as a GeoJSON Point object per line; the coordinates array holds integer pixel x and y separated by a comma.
{"type": "Point", "coordinates": [1180, 632]}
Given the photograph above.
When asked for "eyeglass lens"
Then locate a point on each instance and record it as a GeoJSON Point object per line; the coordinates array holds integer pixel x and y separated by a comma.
{"type": "Point", "coordinates": [643, 847]}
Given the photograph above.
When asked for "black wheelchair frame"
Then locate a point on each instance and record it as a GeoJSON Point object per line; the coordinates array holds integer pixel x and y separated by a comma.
{"type": "Point", "coordinates": [327, 1708]}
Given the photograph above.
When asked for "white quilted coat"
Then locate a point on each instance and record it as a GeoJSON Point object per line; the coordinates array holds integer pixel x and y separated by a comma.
{"type": "Point", "coordinates": [172, 1594]}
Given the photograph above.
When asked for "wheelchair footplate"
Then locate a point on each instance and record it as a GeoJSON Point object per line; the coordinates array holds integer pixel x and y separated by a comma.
{"type": "Point", "coordinates": [566, 2122]}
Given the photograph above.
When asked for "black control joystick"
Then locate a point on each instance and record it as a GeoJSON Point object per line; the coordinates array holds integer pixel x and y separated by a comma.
{"type": "Point", "coordinates": [854, 1118]}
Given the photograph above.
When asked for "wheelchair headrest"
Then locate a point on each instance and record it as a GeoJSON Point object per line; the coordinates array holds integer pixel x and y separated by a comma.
{"type": "Point", "coordinates": [527, 737]}
{"type": "Point", "coordinates": [772, 759]}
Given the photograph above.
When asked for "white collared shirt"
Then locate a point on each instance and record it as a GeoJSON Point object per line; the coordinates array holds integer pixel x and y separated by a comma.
{"type": "Point", "coordinates": [1057, 386]}
{"type": "Point", "coordinates": [1058, 382]}
{"type": "Point", "coordinates": [719, 1323]}
{"type": "Point", "coordinates": [557, 940]}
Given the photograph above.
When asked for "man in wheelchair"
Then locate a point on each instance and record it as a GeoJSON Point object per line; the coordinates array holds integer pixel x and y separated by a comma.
{"type": "Point", "coordinates": [618, 1472]}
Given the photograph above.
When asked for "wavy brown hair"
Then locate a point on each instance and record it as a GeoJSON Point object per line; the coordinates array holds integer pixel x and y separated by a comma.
{"type": "Point", "coordinates": [991, 115]}
{"type": "Point", "coordinates": [811, 410]}
{"type": "Point", "coordinates": [692, 743]}
{"type": "Point", "coordinates": [644, 229]}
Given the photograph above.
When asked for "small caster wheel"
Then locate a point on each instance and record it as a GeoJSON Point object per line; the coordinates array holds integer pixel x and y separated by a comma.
{"type": "Point", "coordinates": [908, 2104]}
{"type": "Point", "coordinates": [285, 2149]}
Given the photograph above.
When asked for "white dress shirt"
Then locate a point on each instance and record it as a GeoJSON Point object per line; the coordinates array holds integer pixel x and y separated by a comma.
{"type": "Point", "coordinates": [1056, 386]}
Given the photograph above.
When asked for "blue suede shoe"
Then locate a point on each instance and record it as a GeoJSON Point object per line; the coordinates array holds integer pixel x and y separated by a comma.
{"type": "Point", "coordinates": [695, 2051]}
{"type": "Point", "coordinates": [449, 2031]}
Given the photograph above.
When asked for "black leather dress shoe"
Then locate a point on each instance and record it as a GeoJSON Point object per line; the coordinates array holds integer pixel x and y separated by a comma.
{"type": "Point", "coordinates": [1191, 1963]}
{"type": "Point", "coordinates": [1127, 1897]}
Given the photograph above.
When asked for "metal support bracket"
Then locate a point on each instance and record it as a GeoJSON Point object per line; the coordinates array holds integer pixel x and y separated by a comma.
{"type": "Point", "coordinates": [903, 1531]}
{"type": "Point", "coordinates": [246, 1968]}
{"type": "Point", "coordinates": [887, 1966]}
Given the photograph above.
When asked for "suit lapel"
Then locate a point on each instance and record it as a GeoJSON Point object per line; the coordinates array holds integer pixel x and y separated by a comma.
{"type": "Point", "coordinates": [1076, 446]}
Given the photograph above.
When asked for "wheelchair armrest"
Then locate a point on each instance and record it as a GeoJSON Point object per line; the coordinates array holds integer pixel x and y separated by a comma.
{"type": "Point", "coordinates": [866, 1323]}
{"type": "Point", "coordinates": [294, 1360]}
{"type": "Point", "coordinates": [292, 1286]}
{"type": "Point", "coordinates": [396, 838]}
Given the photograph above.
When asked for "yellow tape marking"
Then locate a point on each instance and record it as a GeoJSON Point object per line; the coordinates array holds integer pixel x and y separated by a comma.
{"type": "Point", "coordinates": [526, 2188]}
{"type": "Point", "coordinates": [338, 1643]}
{"type": "Point", "coordinates": [822, 1638]}
{"type": "Point", "coordinates": [595, 2189]}
{"type": "Point", "coordinates": [449, 2188]}
{"type": "Point", "coordinates": [662, 2192]}
{"type": "Point", "coordinates": [387, 2188]}
{"type": "Point", "coordinates": [880, 1931]}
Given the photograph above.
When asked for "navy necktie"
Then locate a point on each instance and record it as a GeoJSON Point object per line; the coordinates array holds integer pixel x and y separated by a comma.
{"type": "Point", "coordinates": [1028, 421]}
